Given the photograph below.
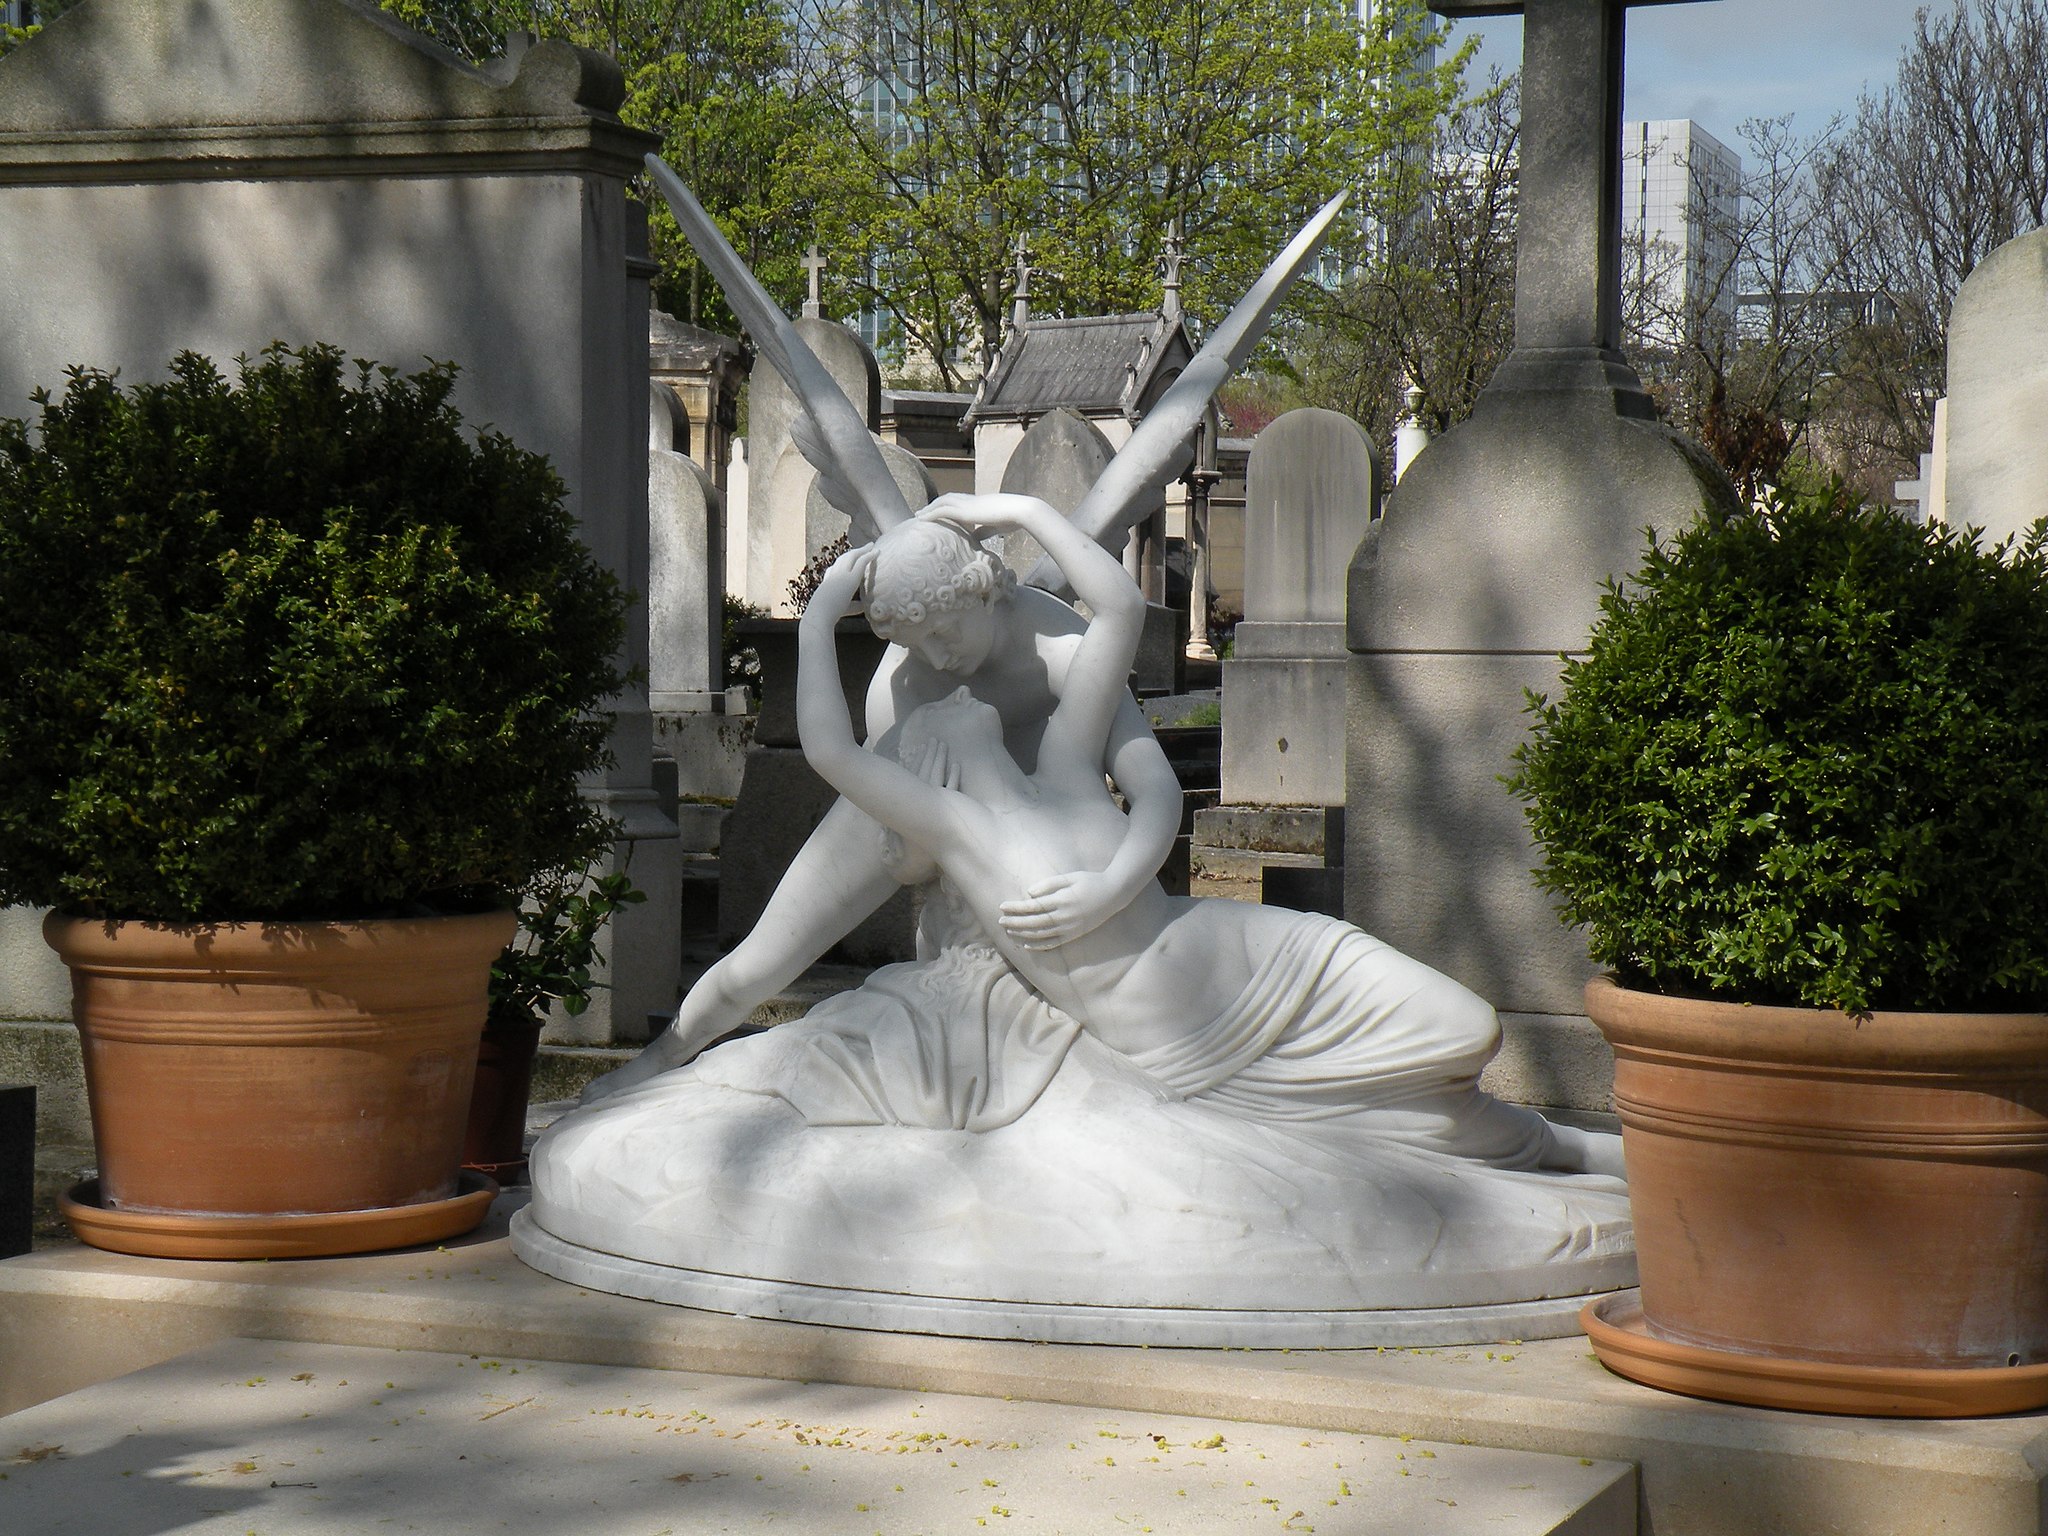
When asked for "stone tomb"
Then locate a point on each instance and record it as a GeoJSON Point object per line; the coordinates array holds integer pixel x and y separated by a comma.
{"type": "Point", "coordinates": [1489, 564]}
{"type": "Point", "coordinates": [220, 174]}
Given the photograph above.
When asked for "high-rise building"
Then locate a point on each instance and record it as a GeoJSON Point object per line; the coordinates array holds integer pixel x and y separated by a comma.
{"type": "Point", "coordinates": [1681, 205]}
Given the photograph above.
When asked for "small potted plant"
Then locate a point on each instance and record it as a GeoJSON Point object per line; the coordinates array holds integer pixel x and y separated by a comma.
{"type": "Point", "coordinates": [297, 681]}
{"type": "Point", "coordinates": [551, 963]}
{"type": "Point", "coordinates": [1796, 791]}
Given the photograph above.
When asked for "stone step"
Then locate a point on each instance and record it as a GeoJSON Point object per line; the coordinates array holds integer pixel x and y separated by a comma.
{"type": "Point", "coordinates": [71, 1317]}
{"type": "Point", "coordinates": [1315, 829]}
{"type": "Point", "coordinates": [332, 1440]}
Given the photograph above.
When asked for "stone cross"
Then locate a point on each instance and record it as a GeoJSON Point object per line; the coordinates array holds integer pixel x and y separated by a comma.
{"type": "Point", "coordinates": [814, 265]}
{"type": "Point", "coordinates": [1568, 249]}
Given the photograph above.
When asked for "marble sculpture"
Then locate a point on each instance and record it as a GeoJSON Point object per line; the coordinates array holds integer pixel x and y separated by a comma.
{"type": "Point", "coordinates": [1096, 1112]}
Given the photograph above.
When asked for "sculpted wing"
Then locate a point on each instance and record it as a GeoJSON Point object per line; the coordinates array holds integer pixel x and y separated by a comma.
{"type": "Point", "coordinates": [840, 446]}
{"type": "Point", "coordinates": [838, 491]}
{"type": "Point", "coordinates": [1148, 460]}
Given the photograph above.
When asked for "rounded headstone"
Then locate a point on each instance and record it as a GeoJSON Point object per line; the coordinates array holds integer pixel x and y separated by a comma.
{"type": "Point", "coordinates": [771, 403]}
{"type": "Point", "coordinates": [668, 424]}
{"type": "Point", "coordinates": [1312, 486]}
{"type": "Point", "coordinates": [824, 522]}
{"type": "Point", "coordinates": [1998, 391]}
{"type": "Point", "coordinates": [1058, 460]}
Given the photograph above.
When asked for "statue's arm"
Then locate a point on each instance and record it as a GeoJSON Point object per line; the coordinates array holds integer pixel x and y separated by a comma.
{"type": "Point", "coordinates": [890, 793]}
{"type": "Point", "coordinates": [1152, 795]}
{"type": "Point", "coordinates": [903, 861]}
{"type": "Point", "coordinates": [1063, 907]}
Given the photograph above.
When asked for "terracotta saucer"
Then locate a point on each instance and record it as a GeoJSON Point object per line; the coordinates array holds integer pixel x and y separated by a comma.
{"type": "Point", "coordinates": [301, 1235]}
{"type": "Point", "coordinates": [1625, 1345]}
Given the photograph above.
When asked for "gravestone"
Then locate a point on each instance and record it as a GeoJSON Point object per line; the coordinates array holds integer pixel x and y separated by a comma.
{"type": "Point", "coordinates": [1059, 458]}
{"type": "Point", "coordinates": [1311, 490]}
{"type": "Point", "coordinates": [1997, 440]}
{"type": "Point", "coordinates": [219, 174]}
{"type": "Point", "coordinates": [824, 523]}
{"type": "Point", "coordinates": [1924, 499]}
{"type": "Point", "coordinates": [685, 569]}
{"type": "Point", "coordinates": [1488, 565]}
{"type": "Point", "coordinates": [700, 725]}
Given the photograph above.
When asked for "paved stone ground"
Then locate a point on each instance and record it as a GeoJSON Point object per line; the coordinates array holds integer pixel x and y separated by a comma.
{"type": "Point", "coordinates": [300, 1439]}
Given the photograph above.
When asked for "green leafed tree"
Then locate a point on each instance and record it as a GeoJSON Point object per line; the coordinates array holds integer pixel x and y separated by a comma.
{"type": "Point", "coordinates": [39, 15]}
{"type": "Point", "coordinates": [1086, 128]}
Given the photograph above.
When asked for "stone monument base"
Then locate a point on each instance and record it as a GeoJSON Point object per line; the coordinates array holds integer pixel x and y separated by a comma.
{"type": "Point", "coordinates": [949, 1317]}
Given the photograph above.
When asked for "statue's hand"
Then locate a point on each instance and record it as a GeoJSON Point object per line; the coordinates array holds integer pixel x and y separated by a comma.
{"type": "Point", "coordinates": [961, 508]}
{"type": "Point", "coordinates": [936, 766]}
{"type": "Point", "coordinates": [1056, 911]}
{"type": "Point", "coordinates": [975, 512]}
{"type": "Point", "coordinates": [835, 590]}
{"type": "Point", "coordinates": [671, 1049]}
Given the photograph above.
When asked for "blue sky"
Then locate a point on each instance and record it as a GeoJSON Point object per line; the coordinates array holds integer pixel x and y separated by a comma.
{"type": "Point", "coordinates": [1722, 61]}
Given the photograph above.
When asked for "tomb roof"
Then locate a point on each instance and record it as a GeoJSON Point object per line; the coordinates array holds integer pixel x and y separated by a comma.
{"type": "Point", "coordinates": [1094, 365]}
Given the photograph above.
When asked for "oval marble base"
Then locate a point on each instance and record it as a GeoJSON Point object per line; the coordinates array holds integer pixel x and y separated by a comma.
{"type": "Point", "coordinates": [953, 1317]}
{"type": "Point", "coordinates": [1622, 1339]}
{"type": "Point", "coordinates": [299, 1235]}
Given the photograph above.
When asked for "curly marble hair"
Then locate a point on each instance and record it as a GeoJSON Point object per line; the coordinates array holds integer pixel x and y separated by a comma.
{"type": "Point", "coordinates": [926, 567]}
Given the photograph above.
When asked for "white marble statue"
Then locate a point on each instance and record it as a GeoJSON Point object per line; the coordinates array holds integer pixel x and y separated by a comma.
{"type": "Point", "coordinates": [955, 617]}
{"type": "Point", "coordinates": [1098, 1112]}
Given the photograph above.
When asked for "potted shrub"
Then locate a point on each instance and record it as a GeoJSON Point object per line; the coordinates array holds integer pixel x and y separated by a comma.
{"type": "Point", "coordinates": [1797, 792]}
{"type": "Point", "coordinates": [297, 680]}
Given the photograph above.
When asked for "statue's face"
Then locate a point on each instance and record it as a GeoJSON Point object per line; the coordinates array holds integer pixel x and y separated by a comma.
{"type": "Point", "coordinates": [955, 641]}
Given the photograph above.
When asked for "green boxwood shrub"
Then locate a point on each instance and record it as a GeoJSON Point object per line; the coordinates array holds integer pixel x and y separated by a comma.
{"type": "Point", "coordinates": [1805, 759]}
{"type": "Point", "coordinates": [298, 646]}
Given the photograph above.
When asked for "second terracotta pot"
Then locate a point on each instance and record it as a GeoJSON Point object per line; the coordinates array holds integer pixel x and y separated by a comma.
{"type": "Point", "coordinates": [1870, 1192]}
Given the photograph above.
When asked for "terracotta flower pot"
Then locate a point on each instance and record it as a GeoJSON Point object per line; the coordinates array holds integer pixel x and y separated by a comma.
{"type": "Point", "coordinates": [263, 1089]}
{"type": "Point", "coordinates": [1832, 1212]}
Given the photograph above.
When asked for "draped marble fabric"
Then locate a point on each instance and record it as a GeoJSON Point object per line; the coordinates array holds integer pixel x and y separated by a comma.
{"type": "Point", "coordinates": [942, 1131]}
